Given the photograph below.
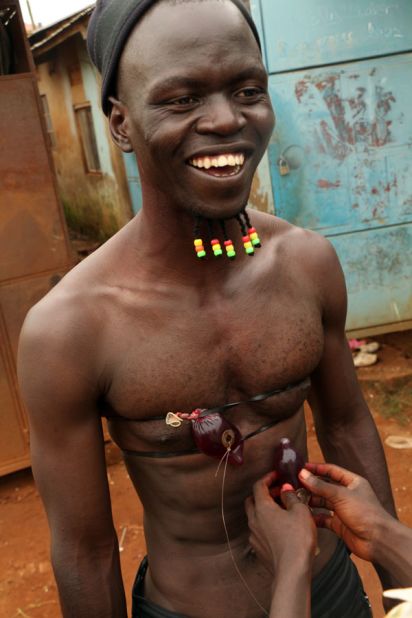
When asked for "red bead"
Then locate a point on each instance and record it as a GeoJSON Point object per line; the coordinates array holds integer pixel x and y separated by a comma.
{"type": "Point", "coordinates": [228, 242]}
{"type": "Point", "coordinates": [252, 230]}
{"type": "Point", "coordinates": [246, 239]}
{"type": "Point", "coordinates": [214, 242]}
{"type": "Point", "coordinates": [199, 249]}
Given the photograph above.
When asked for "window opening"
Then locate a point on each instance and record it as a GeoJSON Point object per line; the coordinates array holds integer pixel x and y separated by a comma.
{"type": "Point", "coordinates": [88, 137]}
{"type": "Point", "coordinates": [49, 124]}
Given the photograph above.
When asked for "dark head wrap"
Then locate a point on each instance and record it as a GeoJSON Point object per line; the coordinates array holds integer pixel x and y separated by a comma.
{"type": "Point", "coordinates": [110, 26]}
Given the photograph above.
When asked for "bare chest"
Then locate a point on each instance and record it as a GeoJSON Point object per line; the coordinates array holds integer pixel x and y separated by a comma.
{"type": "Point", "coordinates": [183, 357]}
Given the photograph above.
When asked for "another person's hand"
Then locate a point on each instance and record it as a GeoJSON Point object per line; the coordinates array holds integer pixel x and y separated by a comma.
{"type": "Point", "coordinates": [355, 514]}
{"type": "Point", "coordinates": [280, 536]}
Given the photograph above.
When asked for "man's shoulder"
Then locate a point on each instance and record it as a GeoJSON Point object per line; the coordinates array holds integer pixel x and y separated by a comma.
{"type": "Point", "coordinates": [290, 237]}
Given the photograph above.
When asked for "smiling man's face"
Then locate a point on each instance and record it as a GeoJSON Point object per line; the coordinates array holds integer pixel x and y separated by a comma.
{"type": "Point", "coordinates": [198, 114]}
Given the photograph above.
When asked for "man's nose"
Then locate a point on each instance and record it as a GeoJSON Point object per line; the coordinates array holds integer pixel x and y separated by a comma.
{"type": "Point", "coordinates": [220, 116]}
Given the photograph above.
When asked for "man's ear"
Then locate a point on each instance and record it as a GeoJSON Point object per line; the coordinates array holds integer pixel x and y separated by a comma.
{"type": "Point", "coordinates": [118, 123]}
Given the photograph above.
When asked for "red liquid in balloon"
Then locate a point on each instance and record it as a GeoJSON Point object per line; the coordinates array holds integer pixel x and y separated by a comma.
{"type": "Point", "coordinates": [215, 436]}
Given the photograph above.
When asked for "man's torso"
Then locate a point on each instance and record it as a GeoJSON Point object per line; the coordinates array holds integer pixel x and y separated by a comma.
{"type": "Point", "coordinates": [167, 347]}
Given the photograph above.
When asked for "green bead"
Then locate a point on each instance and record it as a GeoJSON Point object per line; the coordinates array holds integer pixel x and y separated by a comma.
{"type": "Point", "coordinates": [250, 250]}
{"type": "Point", "coordinates": [256, 243]}
{"type": "Point", "coordinates": [231, 254]}
{"type": "Point", "coordinates": [201, 254]}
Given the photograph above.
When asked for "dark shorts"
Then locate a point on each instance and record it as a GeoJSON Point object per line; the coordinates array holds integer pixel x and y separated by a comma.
{"type": "Point", "coordinates": [337, 592]}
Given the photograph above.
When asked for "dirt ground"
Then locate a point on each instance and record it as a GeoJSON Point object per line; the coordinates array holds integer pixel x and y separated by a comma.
{"type": "Point", "coordinates": [27, 588]}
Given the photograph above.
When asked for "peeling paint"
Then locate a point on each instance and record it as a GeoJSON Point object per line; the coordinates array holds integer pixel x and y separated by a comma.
{"type": "Point", "coordinates": [353, 122]}
{"type": "Point", "coordinates": [361, 118]}
{"type": "Point", "coordinates": [301, 89]}
{"type": "Point", "coordinates": [259, 199]}
{"type": "Point", "coordinates": [326, 184]}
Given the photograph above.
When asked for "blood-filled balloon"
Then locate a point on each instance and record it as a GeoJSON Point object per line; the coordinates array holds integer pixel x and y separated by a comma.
{"type": "Point", "coordinates": [288, 463]}
{"type": "Point", "coordinates": [215, 436]}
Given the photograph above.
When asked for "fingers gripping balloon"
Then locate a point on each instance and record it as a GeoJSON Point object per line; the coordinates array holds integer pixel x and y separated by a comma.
{"type": "Point", "coordinates": [288, 463]}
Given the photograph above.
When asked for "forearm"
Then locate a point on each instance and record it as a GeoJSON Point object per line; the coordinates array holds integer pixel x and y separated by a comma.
{"type": "Point", "coordinates": [393, 550]}
{"type": "Point", "coordinates": [90, 583]}
{"type": "Point", "coordinates": [356, 445]}
{"type": "Point", "coordinates": [291, 590]}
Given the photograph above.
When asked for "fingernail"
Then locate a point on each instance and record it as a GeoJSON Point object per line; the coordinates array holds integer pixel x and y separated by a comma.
{"type": "Point", "coordinates": [305, 474]}
{"type": "Point", "coordinates": [287, 487]}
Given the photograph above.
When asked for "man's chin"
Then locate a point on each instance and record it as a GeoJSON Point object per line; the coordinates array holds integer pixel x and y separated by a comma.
{"type": "Point", "coordinates": [220, 207]}
{"type": "Point", "coordinates": [219, 214]}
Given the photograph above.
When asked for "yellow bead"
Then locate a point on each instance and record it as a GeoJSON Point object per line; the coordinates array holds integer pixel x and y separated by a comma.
{"type": "Point", "coordinates": [248, 245]}
{"type": "Point", "coordinates": [253, 236]}
{"type": "Point", "coordinates": [198, 242]}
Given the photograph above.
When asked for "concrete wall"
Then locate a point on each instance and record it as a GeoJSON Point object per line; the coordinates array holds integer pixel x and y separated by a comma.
{"type": "Point", "coordinates": [98, 203]}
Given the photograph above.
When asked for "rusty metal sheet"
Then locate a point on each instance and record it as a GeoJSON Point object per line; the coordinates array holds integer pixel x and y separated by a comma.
{"type": "Point", "coordinates": [17, 297]}
{"type": "Point", "coordinates": [31, 227]}
{"type": "Point", "coordinates": [13, 430]}
{"type": "Point", "coordinates": [34, 245]}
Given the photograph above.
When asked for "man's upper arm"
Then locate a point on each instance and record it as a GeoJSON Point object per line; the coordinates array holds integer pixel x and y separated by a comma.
{"type": "Point", "coordinates": [67, 447]}
{"type": "Point", "coordinates": [336, 396]}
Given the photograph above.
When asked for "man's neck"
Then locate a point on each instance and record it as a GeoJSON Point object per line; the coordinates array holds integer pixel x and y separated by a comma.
{"type": "Point", "coordinates": [164, 238]}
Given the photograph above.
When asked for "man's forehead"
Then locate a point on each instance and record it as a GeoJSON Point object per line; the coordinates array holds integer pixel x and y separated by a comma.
{"type": "Point", "coordinates": [176, 27]}
{"type": "Point", "coordinates": [113, 21]}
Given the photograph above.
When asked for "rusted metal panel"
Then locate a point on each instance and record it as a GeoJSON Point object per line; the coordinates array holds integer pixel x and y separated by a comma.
{"type": "Point", "coordinates": [18, 296]}
{"type": "Point", "coordinates": [31, 231]}
{"type": "Point", "coordinates": [34, 246]}
{"type": "Point", "coordinates": [13, 429]}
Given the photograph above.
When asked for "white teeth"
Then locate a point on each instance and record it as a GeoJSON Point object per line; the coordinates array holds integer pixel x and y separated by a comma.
{"type": "Point", "coordinates": [218, 161]}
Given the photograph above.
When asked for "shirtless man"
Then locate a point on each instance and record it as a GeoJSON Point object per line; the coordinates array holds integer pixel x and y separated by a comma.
{"type": "Point", "coordinates": [143, 327]}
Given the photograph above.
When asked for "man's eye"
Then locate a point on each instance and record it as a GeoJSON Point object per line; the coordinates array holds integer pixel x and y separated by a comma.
{"type": "Point", "coordinates": [184, 101]}
{"type": "Point", "coordinates": [250, 93]}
